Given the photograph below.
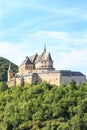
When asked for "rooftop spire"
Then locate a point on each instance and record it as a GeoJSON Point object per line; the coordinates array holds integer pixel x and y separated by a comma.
{"type": "Point", "coordinates": [45, 48]}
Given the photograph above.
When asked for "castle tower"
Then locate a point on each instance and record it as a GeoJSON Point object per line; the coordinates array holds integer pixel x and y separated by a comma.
{"type": "Point", "coordinates": [44, 61]}
{"type": "Point", "coordinates": [10, 72]}
{"type": "Point", "coordinates": [26, 66]}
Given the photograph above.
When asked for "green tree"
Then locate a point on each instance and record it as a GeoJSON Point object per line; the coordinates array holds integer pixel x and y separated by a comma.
{"type": "Point", "coordinates": [3, 86]}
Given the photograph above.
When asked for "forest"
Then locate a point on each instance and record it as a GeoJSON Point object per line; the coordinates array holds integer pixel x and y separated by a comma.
{"type": "Point", "coordinates": [4, 64]}
{"type": "Point", "coordinates": [43, 107]}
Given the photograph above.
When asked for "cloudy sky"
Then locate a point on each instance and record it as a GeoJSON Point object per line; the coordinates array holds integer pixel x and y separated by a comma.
{"type": "Point", "coordinates": [26, 25]}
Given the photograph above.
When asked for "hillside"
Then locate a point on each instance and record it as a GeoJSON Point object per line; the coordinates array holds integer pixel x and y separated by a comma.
{"type": "Point", "coordinates": [4, 63]}
{"type": "Point", "coordinates": [43, 107]}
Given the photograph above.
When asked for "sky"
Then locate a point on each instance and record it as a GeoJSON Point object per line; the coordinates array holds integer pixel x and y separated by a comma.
{"type": "Point", "coordinates": [27, 25]}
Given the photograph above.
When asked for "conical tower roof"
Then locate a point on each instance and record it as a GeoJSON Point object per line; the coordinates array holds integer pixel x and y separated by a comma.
{"type": "Point", "coordinates": [46, 56]}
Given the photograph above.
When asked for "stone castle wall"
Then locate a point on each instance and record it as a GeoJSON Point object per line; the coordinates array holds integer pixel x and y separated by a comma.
{"type": "Point", "coordinates": [54, 78]}
{"type": "Point", "coordinates": [68, 79]}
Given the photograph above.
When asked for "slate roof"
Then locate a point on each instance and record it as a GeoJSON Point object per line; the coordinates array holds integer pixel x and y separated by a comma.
{"type": "Point", "coordinates": [44, 56]}
{"type": "Point", "coordinates": [36, 58]}
{"type": "Point", "coordinates": [71, 73]}
{"type": "Point", "coordinates": [33, 58]}
{"type": "Point", "coordinates": [65, 72]}
{"type": "Point", "coordinates": [27, 61]}
{"type": "Point", "coordinates": [74, 73]}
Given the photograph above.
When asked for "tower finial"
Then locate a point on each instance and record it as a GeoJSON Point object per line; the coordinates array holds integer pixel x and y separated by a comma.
{"type": "Point", "coordinates": [45, 47]}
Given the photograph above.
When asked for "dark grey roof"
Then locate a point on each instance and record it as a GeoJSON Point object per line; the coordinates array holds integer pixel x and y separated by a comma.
{"type": "Point", "coordinates": [36, 58]}
{"type": "Point", "coordinates": [45, 56]}
{"type": "Point", "coordinates": [74, 73]}
{"type": "Point", "coordinates": [27, 61]}
{"type": "Point", "coordinates": [71, 73]}
{"type": "Point", "coordinates": [33, 58]}
{"type": "Point", "coordinates": [65, 72]}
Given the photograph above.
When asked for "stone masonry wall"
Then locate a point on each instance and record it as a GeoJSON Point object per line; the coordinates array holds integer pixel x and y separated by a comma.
{"type": "Point", "coordinates": [77, 79]}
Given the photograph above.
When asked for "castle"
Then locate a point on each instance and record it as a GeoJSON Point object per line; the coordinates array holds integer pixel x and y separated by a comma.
{"type": "Point", "coordinates": [39, 68]}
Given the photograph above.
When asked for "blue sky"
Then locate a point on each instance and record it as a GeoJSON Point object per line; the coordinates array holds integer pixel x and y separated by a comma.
{"type": "Point", "coordinates": [26, 25]}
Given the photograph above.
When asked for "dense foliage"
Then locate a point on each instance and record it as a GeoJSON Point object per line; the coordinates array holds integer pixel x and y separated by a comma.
{"type": "Point", "coordinates": [43, 107]}
{"type": "Point", "coordinates": [4, 63]}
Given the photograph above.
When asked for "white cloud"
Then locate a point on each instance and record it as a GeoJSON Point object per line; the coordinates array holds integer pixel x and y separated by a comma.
{"type": "Point", "coordinates": [60, 39]}
{"type": "Point", "coordinates": [14, 52]}
{"type": "Point", "coordinates": [74, 60]}
{"type": "Point", "coordinates": [53, 34]}
{"type": "Point", "coordinates": [69, 50]}
{"type": "Point", "coordinates": [60, 44]}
